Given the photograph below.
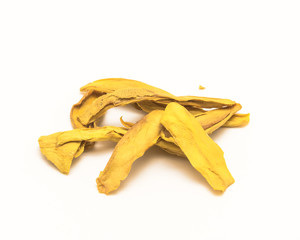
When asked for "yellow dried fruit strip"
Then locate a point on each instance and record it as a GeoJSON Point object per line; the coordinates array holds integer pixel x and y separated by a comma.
{"type": "Point", "coordinates": [133, 145]}
{"type": "Point", "coordinates": [109, 85]}
{"type": "Point", "coordinates": [91, 135]}
{"type": "Point", "coordinates": [238, 120]}
{"type": "Point", "coordinates": [203, 153]}
{"type": "Point", "coordinates": [60, 156]}
{"type": "Point", "coordinates": [119, 97]}
{"type": "Point", "coordinates": [132, 95]}
{"type": "Point", "coordinates": [215, 119]}
{"type": "Point", "coordinates": [62, 147]}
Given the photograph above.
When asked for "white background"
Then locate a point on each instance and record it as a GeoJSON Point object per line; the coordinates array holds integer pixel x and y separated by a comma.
{"type": "Point", "coordinates": [248, 51]}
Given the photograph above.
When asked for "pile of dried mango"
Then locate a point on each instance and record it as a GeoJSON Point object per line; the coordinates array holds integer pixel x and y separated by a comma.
{"type": "Point", "coordinates": [178, 125]}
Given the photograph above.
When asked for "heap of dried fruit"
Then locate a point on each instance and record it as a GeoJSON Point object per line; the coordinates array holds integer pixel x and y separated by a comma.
{"type": "Point", "coordinates": [178, 125]}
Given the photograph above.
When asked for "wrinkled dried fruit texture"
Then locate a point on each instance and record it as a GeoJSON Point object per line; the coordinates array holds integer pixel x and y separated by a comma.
{"type": "Point", "coordinates": [238, 120]}
{"type": "Point", "coordinates": [80, 107]}
{"type": "Point", "coordinates": [133, 145]}
{"type": "Point", "coordinates": [214, 119]}
{"type": "Point", "coordinates": [210, 120]}
{"type": "Point", "coordinates": [60, 156]}
{"type": "Point", "coordinates": [123, 97]}
{"type": "Point", "coordinates": [148, 106]}
{"type": "Point", "coordinates": [109, 85]}
{"type": "Point", "coordinates": [62, 147]}
{"type": "Point", "coordinates": [203, 153]}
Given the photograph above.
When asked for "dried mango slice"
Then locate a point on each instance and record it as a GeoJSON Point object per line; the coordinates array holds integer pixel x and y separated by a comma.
{"type": "Point", "coordinates": [60, 156]}
{"type": "Point", "coordinates": [119, 97]}
{"type": "Point", "coordinates": [215, 119]}
{"type": "Point", "coordinates": [203, 153]}
{"type": "Point", "coordinates": [238, 120]}
{"type": "Point", "coordinates": [91, 135]}
{"type": "Point", "coordinates": [123, 97]}
{"type": "Point", "coordinates": [133, 145]}
{"type": "Point", "coordinates": [109, 85]}
{"type": "Point", "coordinates": [62, 147]}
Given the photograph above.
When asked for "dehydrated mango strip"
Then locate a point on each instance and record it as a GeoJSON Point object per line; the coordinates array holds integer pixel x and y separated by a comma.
{"type": "Point", "coordinates": [133, 145]}
{"type": "Point", "coordinates": [62, 147]}
{"type": "Point", "coordinates": [60, 156]}
{"type": "Point", "coordinates": [203, 153]}
{"type": "Point", "coordinates": [123, 97]}
{"type": "Point", "coordinates": [117, 98]}
{"type": "Point", "coordinates": [238, 120]}
{"type": "Point", "coordinates": [91, 135]}
{"type": "Point", "coordinates": [215, 119]}
{"type": "Point", "coordinates": [109, 85]}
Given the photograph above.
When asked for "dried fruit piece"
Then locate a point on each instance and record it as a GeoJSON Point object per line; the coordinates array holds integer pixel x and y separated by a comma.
{"type": "Point", "coordinates": [62, 147]}
{"type": "Point", "coordinates": [203, 153]}
{"type": "Point", "coordinates": [60, 156]}
{"type": "Point", "coordinates": [238, 120]}
{"type": "Point", "coordinates": [119, 97]}
{"type": "Point", "coordinates": [214, 119]}
{"type": "Point", "coordinates": [91, 134]}
{"type": "Point", "coordinates": [133, 145]}
{"type": "Point", "coordinates": [123, 97]}
{"type": "Point", "coordinates": [109, 85]}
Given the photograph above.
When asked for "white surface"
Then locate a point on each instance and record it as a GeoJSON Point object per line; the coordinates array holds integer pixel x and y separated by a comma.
{"type": "Point", "coordinates": [247, 51]}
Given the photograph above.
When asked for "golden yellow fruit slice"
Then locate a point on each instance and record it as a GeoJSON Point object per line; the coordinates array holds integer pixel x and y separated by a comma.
{"type": "Point", "coordinates": [133, 145]}
{"type": "Point", "coordinates": [202, 152]}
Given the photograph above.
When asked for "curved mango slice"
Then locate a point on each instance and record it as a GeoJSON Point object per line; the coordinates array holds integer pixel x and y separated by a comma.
{"type": "Point", "coordinates": [109, 85]}
{"type": "Point", "coordinates": [216, 118]}
{"type": "Point", "coordinates": [60, 156]}
{"type": "Point", "coordinates": [126, 96]}
{"type": "Point", "coordinates": [238, 120]}
{"type": "Point", "coordinates": [133, 145]}
{"type": "Point", "coordinates": [203, 153]}
{"type": "Point", "coordinates": [62, 147]}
